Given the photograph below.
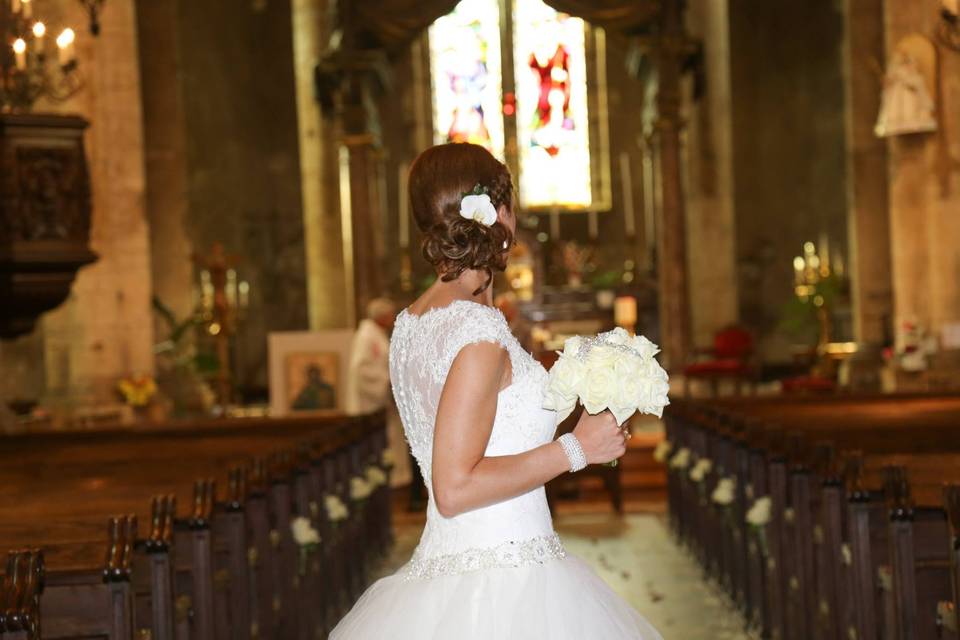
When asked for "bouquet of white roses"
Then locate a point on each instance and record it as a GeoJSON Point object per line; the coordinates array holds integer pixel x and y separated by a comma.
{"type": "Point", "coordinates": [612, 370]}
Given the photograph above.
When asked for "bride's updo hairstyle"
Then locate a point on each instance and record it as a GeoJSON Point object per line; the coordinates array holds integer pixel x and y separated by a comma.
{"type": "Point", "coordinates": [439, 179]}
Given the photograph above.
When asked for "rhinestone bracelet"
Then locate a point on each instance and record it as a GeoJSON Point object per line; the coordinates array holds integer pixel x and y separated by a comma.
{"type": "Point", "coordinates": [571, 447]}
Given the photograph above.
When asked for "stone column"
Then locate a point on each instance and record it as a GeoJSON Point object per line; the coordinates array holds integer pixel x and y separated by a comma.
{"type": "Point", "coordinates": [165, 154]}
{"type": "Point", "coordinates": [359, 179]}
{"type": "Point", "coordinates": [868, 207]}
{"type": "Point", "coordinates": [323, 244]}
{"type": "Point", "coordinates": [672, 267]}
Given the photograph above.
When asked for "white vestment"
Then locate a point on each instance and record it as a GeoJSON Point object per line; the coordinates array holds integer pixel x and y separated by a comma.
{"type": "Point", "coordinates": [368, 390]}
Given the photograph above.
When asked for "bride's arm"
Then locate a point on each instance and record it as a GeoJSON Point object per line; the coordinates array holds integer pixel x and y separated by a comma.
{"type": "Point", "coordinates": [463, 478]}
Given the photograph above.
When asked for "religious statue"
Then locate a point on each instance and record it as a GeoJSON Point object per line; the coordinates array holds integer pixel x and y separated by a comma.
{"type": "Point", "coordinates": [906, 105]}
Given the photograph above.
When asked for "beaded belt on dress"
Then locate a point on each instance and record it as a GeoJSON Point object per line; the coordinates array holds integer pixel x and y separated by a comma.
{"type": "Point", "coordinates": [507, 555]}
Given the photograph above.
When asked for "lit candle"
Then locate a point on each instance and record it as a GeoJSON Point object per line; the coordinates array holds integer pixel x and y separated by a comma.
{"type": "Point", "coordinates": [824, 251]}
{"type": "Point", "coordinates": [231, 288]}
{"type": "Point", "coordinates": [20, 52]}
{"type": "Point", "coordinates": [403, 206]}
{"type": "Point", "coordinates": [626, 180]}
{"type": "Point", "coordinates": [39, 30]}
{"type": "Point", "coordinates": [798, 266]}
{"type": "Point", "coordinates": [26, 8]}
{"type": "Point", "coordinates": [244, 291]}
{"type": "Point", "coordinates": [65, 45]}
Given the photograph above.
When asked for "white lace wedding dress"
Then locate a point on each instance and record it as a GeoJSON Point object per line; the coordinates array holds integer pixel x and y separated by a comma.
{"type": "Point", "coordinates": [499, 572]}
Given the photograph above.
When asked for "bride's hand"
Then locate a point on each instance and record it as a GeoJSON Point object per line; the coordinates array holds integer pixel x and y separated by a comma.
{"type": "Point", "coordinates": [600, 438]}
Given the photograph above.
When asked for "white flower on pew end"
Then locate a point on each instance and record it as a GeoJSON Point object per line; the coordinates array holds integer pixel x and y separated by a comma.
{"type": "Point", "coordinates": [387, 459]}
{"type": "Point", "coordinates": [846, 554]}
{"type": "Point", "coordinates": [759, 513]}
{"type": "Point", "coordinates": [723, 493]}
{"type": "Point", "coordinates": [947, 615]}
{"type": "Point", "coordinates": [662, 451]}
{"type": "Point", "coordinates": [375, 477]}
{"type": "Point", "coordinates": [303, 532]}
{"type": "Point", "coordinates": [701, 469]}
{"type": "Point", "coordinates": [681, 459]}
{"type": "Point", "coordinates": [336, 509]}
{"type": "Point", "coordinates": [360, 489]}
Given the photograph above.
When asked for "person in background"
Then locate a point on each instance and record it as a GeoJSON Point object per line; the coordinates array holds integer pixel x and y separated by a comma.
{"type": "Point", "coordinates": [519, 327]}
{"type": "Point", "coordinates": [368, 389]}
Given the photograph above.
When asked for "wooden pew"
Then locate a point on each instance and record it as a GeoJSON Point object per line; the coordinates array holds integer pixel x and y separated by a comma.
{"type": "Point", "coordinates": [122, 469]}
{"type": "Point", "coordinates": [798, 594]}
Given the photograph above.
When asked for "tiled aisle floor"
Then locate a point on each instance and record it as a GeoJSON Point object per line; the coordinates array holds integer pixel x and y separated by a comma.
{"type": "Point", "coordinates": [637, 557]}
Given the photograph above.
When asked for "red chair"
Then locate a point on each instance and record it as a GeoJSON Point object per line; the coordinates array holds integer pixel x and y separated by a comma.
{"type": "Point", "coordinates": [728, 359]}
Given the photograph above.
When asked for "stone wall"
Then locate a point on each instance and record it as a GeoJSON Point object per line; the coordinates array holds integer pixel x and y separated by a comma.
{"type": "Point", "coordinates": [789, 156]}
{"type": "Point", "coordinates": [225, 159]}
{"type": "Point", "coordinates": [924, 187]}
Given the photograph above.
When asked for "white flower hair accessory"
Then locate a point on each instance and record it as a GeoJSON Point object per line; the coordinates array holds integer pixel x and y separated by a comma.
{"type": "Point", "coordinates": [477, 206]}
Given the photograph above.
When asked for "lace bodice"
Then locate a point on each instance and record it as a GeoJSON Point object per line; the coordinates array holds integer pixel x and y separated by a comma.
{"type": "Point", "coordinates": [510, 533]}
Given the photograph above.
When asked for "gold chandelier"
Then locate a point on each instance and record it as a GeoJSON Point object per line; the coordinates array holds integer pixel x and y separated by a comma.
{"type": "Point", "coordinates": [35, 64]}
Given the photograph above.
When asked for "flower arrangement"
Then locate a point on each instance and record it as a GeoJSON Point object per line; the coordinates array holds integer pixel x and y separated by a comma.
{"type": "Point", "coordinates": [681, 459]}
{"type": "Point", "coordinates": [700, 470]}
{"type": "Point", "coordinates": [303, 532]}
{"type": "Point", "coordinates": [947, 615]}
{"type": "Point", "coordinates": [375, 477]}
{"type": "Point", "coordinates": [137, 391]}
{"type": "Point", "coordinates": [662, 451]}
{"type": "Point", "coordinates": [387, 459]}
{"type": "Point", "coordinates": [307, 539]}
{"type": "Point", "coordinates": [612, 371]}
{"type": "Point", "coordinates": [360, 489]}
{"type": "Point", "coordinates": [724, 493]}
{"type": "Point", "coordinates": [336, 510]}
{"type": "Point", "coordinates": [759, 513]}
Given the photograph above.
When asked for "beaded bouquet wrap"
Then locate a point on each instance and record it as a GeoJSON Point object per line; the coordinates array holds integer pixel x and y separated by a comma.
{"type": "Point", "coordinates": [611, 371]}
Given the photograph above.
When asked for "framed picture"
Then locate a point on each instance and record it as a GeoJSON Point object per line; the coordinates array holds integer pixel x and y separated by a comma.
{"type": "Point", "coordinates": [308, 370]}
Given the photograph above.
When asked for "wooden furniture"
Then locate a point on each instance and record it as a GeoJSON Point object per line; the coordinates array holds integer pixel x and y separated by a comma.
{"type": "Point", "coordinates": [204, 546]}
{"type": "Point", "coordinates": [728, 359]}
{"type": "Point", "coordinates": [44, 215]}
{"type": "Point", "coordinates": [862, 537]}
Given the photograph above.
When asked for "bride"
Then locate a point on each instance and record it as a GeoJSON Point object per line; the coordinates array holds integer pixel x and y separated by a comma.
{"type": "Point", "coordinates": [489, 565]}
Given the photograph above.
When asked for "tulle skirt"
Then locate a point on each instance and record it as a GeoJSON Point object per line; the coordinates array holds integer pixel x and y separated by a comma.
{"type": "Point", "coordinates": [562, 599]}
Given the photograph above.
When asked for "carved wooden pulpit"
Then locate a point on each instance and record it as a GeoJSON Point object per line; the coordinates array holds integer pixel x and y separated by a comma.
{"type": "Point", "coordinates": [44, 215]}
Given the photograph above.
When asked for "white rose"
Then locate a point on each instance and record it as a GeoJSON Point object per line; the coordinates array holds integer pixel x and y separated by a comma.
{"type": "Point", "coordinates": [303, 532]}
{"type": "Point", "coordinates": [723, 493]}
{"type": "Point", "coordinates": [681, 459]}
{"type": "Point", "coordinates": [375, 476]}
{"type": "Point", "coordinates": [759, 513]}
{"type": "Point", "coordinates": [336, 510]}
{"type": "Point", "coordinates": [617, 336]}
{"type": "Point", "coordinates": [948, 616]}
{"type": "Point", "coordinates": [701, 469]}
{"type": "Point", "coordinates": [572, 346]}
{"type": "Point", "coordinates": [359, 488]}
{"type": "Point", "coordinates": [644, 347]}
{"type": "Point", "coordinates": [662, 451]}
{"type": "Point", "coordinates": [387, 458]}
{"type": "Point", "coordinates": [563, 386]}
{"type": "Point", "coordinates": [478, 208]}
{"type": "Point", "coordinates": [600, 386]}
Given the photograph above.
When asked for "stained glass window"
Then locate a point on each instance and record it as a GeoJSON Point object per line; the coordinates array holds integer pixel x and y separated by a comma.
{"type": "Point", "coordinates": [552, 120]}
{"type": "Point", "coordinates": [466, 75]}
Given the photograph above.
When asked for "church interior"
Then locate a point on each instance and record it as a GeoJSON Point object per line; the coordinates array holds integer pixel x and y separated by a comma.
{"type": "Point", "coordinates": [201, 201]}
